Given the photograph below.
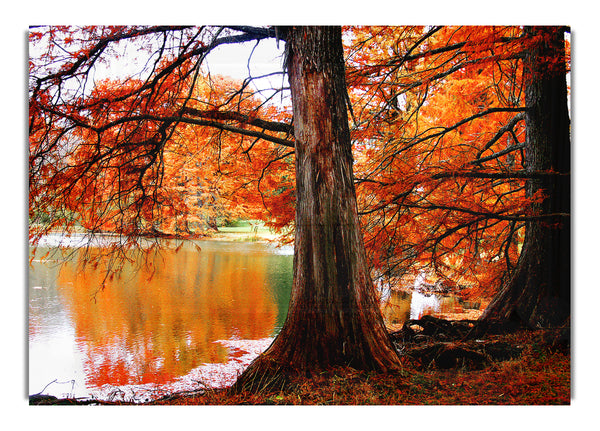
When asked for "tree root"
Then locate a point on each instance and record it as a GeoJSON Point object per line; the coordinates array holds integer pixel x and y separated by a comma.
{"type": "Point", "coordinates": [472, 355]}
{"type": "Point", "coordinates": [432, 328]}
{"type": "Point", "coordinates": [431, 341]}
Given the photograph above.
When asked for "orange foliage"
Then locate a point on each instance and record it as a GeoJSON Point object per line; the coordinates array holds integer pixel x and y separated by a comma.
{"type": "Point", "coordinates": [439, 136]}
{"type": "Point", "coordinates": [437, 128]}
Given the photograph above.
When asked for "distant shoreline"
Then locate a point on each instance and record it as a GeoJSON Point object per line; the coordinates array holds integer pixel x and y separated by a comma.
{"type": "Point", "coordinates": [243, 234]}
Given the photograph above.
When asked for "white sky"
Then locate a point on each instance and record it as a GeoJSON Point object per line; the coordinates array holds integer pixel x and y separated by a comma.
{"type": "Point", "coordinates": [232, 60]}
{"type": "Point", "coordinates": [229, 60]}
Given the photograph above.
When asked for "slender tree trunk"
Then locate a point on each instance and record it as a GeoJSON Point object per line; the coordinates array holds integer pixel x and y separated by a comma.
{"type": "Point", "coordinates": [538, 292]}
{"type": "Point", "coordinates": [334, 316]}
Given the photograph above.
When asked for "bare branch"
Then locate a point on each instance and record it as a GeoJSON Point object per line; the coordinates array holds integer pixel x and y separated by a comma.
{"type": "Point", "coordinates": [507, 128]}
{"type": "Point", "coordinates": [272, 126]}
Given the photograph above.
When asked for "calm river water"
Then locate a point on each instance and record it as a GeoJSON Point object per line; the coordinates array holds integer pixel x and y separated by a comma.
{"type": "Point", "coordinates": [197, 318]}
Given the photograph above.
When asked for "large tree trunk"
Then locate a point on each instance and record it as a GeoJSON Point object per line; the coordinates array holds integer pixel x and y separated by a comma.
{"type": "Point", "coordinates": [334, 316]}
{"type": "Point", "coordinates": [538, 292]}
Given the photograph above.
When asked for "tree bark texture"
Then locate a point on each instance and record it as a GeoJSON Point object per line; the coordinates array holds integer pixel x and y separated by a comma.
{"type": "Point", "coordinates": [538, 291]}
{"type": "Point", "coordinates": [334, 316]}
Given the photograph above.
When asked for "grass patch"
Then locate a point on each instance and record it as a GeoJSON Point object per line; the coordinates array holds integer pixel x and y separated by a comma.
{"type": "Point", "coordinates": [244, 231]}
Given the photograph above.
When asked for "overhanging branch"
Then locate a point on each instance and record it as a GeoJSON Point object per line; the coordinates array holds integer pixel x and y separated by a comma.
{"type": "Point", "coordinates": [234, 129]}
{"type": "Point", "coordinates": [272, 126]}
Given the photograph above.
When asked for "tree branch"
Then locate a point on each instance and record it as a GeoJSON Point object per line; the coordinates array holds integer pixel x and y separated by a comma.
{"type": "Point", "coordinates": [272, 126]}
{"type": "Point", "coordinates": [498, 154]}
{"type": "Point", "coordinates": [498, 175]}
{"type": "Point", "coordinates": [508, 127]}
{"type": "Point", "coordinates": [455, 126]}
{"type": "Point", "coordinates": [488, 215]}
{"type": "Point", "coordinates": [229, 128]}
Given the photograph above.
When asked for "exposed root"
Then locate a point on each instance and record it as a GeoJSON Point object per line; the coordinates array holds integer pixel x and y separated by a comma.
{"type": "Point", "coordinates": [430, 328]}
{"type": "Point", "coordinates": [271, 374]}
{"type": "Point", "coordinates": [444, 344]}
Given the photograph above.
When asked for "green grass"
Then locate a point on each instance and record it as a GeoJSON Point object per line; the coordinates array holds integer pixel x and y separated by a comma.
{"type": "Point", "coordinates": [243, 229]}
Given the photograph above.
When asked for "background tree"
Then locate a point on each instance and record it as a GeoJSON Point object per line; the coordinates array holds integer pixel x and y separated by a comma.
{"type": "Point", "coordinates": [538, 293]}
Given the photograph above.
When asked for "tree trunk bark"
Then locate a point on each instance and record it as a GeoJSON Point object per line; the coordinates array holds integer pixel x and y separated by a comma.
{"type": "Point", "coordinates": [538, 291]}
{"type": "Point", "coordinates": [334, 316]}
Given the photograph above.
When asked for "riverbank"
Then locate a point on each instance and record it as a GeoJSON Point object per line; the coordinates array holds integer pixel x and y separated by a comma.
{"type": "Point", "coordinates": [243, 234]}
{"type": "Point", "coordinates": [536, 371]}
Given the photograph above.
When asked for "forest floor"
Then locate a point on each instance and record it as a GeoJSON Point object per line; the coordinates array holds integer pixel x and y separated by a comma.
{"type": "Point", "coordinates": [539, 374]}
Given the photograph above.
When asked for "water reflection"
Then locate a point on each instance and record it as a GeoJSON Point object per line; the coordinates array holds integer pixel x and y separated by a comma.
{"type": "Point", "coordinates": [404, 305]}
{"type": "Point", "coordinates": [153, 326]}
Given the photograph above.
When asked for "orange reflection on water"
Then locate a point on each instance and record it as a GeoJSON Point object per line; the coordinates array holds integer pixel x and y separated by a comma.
{"type": "Point", "coordinates": [153, 329]}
